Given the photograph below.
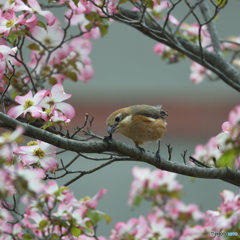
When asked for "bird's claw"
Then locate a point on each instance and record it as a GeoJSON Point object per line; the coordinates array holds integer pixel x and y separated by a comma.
{"type": "Point", "coordinates": [108, 138]}
{"type": "Point", "coordinates": [158, 157]}
{"type": "Point", "coordinates": [142, 150]}
{"type": "Point", "coordinates": [158, 152]}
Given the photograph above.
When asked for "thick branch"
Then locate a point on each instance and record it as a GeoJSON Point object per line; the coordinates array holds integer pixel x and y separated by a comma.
{"type": "Point", "coordinates": [213, 61]}
{"type": "Point", "coordinates": [115, 146]}
{"type": "Point", "coordinates": [211, 26]}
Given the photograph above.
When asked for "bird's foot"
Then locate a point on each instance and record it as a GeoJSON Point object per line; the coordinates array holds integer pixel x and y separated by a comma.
{"type": "Point", "coordinates": [142, 150]}
{"type": "Point", "coordinates": [158, 152]}
{"type": "Point", "coordinates": [108, 138]}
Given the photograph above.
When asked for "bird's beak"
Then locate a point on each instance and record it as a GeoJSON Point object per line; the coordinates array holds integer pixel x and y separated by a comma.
{"type": "Point", "coordinates": [111, 129]}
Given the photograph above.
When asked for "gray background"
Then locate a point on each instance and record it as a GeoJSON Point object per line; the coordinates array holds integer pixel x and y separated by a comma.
{"type": "Point", "coordinates": [128, 72]}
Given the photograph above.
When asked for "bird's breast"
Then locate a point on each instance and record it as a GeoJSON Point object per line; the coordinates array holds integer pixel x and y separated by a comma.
{"type": "Point", "coordinates": [142, 129]}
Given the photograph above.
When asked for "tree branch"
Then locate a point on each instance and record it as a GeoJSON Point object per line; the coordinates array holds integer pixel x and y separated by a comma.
{"type": "Point", "coordinates": [211, 26]}
{"type": "Point", "coordinates": [212, 60]}
{"type": "Point", "coordinates": [122, 149]}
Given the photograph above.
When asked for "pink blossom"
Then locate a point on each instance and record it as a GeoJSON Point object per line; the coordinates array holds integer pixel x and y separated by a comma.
{"type": "Point", "coordinates": [11, 137]}
{"type": "Point", "coordinates": [234, 116]}
{"type": "Point", "coordinates": [35, 8]}
{"type": "Point", "coordinates": [82, 48]}
{"type": "Point", "coordinates": [6, 183]}
{"type": "Point", "coordinates": [227, 127]}
{"type": "Point", "coordinates": [145, 180]}
{"type": "Point", "coordinates": [207, 152]}
{"type": "Point", "coordinates": [5, 51]}
{"type": "Point", "coordinates": [56, 116]}
{"type": "Point", "coordinates": [39, 152]}
{"type": "Point", "coordinates": [83, 22]}
{"type": "Point", "coordinates": [122, 229]}
{"type": "Point", "coordinates": [222, 141]}
{"type": "Point", "coordinates": [92, 203]}
{"type": "Point", "coordinates": [9, 20]}
{"type": "Point", "coordinates": [196, 232]}
{"type": "Point", "coordinates": [198, 72]}
{"type": "Point", "coordinates": [159, 228]}
{"type": "Point", "coordinates": [28, 103]}
{"type": "Point", "coordinates": [160, 49]}
{"type": "Point", "coordinates": [32, 21]}
{"type": "Point", "coordinates": [158, 8]}
{"type": "Point", "coordinates": [85, 72]}
{"type": "Point", "coordinates": [33, 177]}
{"type": "Point", "coordinates": [172, 19]}
{"type": "Point", "coordinates": [50, 38]}
{"type": "Point", "coordinates": [80, 8]}
{"type": "Point", "coordinates": [228, 214]}
{"type": "Point", "coordinates": [56, 96]}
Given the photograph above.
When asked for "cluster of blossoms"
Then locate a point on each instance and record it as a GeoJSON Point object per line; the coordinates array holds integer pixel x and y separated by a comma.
{"type": "Point", "coordinates": [45, 104]}
{"type": "Point", "coordinates": [153, 185]}
{"type": "Point", "coordinates": [53, 58]}
{"type": "Point", "coordinates": [51, 211]}
{"type": "Point", "coordinates": [190, 32]}
{"type": "Point", "coordinates": [168, 214]}
{"type": "Point", "coordinates": [8, 144]}
{"type": "Point", "coordinates": [37, 154]}
{"type": "Point", "coordinates": [225, 146]}
{"type": "Point", "coordinates": [172, 218]}
{"type": "Point", "coordinates": [48, 105]}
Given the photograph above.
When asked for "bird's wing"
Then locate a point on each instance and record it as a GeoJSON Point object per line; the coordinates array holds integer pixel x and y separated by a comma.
{"type": "Point", "coordinates": [148, 111]}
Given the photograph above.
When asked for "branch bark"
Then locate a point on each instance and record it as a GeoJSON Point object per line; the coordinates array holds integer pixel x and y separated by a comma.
{"type": "Point", "coordinates": [114, 146]}
{"type": "Point", "coordinates": [212, 60]}
{"type": "Point", "coordinates": [211, 26]}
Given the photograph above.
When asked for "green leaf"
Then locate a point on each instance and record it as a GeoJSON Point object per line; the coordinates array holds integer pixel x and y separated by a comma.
{"type": "Point", "coordinates": [72, 76]}
{"type": "Point", "coordinates": [27, 237]}
{"type": "Point", "coordinates": [107, 218]}
{"type": "Point", "coordinates": [227, 159]}
{"type": "Point", "coordinates": [60, 190]}
{"type": "Point", "coordinates": [159, 2]}
{"type": "Point", "coordinates": [46, 125]}
{"type": "Point", "coordinates": [52, 81]}
{"type": "Point", "coordinates": [91, 16]}
{"type": "Point", "coordinates": [75, 231]}
{"type": "Point", "coordinates": [43, 224]}
{"type": "Point", "coordinates": [103, 30]}
{"type": "Point", "coordinates": [106, 22]}
{"type": "Point", "coordinates": [14, 94]}
{"type": "Point", "coordinates": [42, 25]}
{"type": "Point", "coordinates": [21, 32]}
{"type": "Point", "coordinates": [150, 4]}
{"type": "Point", "coordinates": [31, 119]}
{"type": "Point", "coordinates": [94, 216]}
{"type": "Point", "coordinates": [34, 46]}
{"type": "Point", "coordinates": [12, 37]}
{"type": "Point", "coordinates": [54, 236]}
{"type": "Point", "coordinates": [123, 1]}
{"type": "Point", "coordinates": [221, 3]}
{"type": "Point", "coordinates": [76, 2]}
{"type": "Point", "coordinates": [88, 26]}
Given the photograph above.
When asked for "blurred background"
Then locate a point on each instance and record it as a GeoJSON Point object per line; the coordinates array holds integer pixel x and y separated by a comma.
{"type": "Point", "coordinates": [128, 72]}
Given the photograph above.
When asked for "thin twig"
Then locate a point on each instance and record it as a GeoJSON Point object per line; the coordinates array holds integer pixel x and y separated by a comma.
{"type": "Point", "coordinates": [169, 152]}
{"type": "Point", "coordinates": [198, 163]}
{"type": "Point", "coordinates": [8, 85]}
{"type": "Point", "coordinates": [184, 156]}
{"type": "Point", "coordinates": [90, 171]}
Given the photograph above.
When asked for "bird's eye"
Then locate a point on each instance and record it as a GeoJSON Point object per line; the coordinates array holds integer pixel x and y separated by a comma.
{"type": "Point", "coordinates": [117, 119]}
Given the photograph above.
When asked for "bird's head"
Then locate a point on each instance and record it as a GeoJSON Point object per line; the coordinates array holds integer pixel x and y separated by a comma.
{"type": "Point", "coordinates": [114, 121]}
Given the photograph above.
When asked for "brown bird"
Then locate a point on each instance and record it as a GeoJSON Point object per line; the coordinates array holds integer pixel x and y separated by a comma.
{"type": "Point", "coordinates": [141, 123]}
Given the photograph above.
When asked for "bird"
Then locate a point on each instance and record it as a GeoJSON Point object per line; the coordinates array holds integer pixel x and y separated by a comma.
{"type": "Point", "coordinates": [141, 123]}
